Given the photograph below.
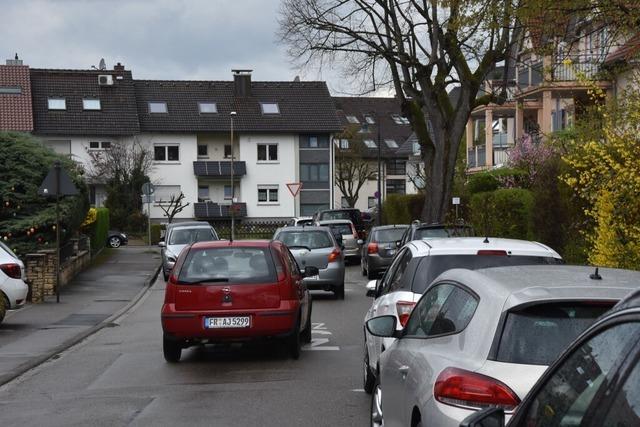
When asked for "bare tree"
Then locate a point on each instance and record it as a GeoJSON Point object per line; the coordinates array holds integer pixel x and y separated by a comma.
{"type": "Point", "coordinates": [352, 171]}
{"type": "Point", "coordinates": [416, 174]}
{"type": "Point", "coordinates": [423, 48]}
{"type": "Point", "coordinates": [174, 206]}
{"type": "Point", "coordinates": [123, 169]}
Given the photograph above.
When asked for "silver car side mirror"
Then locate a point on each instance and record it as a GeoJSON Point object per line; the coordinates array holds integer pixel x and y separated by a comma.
{"type": "Point", "coordinates": [162, 244]}
{"type": "Point", "coordinates": [371, 288]}
{"type": "Point", "coordinates": [382, 326]}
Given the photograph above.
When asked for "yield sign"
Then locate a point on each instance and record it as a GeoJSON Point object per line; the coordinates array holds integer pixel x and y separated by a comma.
{"type": "Point", "coordinates": [294, 188]}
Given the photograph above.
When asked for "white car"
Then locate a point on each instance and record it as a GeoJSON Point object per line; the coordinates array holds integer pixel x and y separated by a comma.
{"type": "Point", "coordinates": [13, 289]}
{"type": "Point", "coordinates": [419, 262]}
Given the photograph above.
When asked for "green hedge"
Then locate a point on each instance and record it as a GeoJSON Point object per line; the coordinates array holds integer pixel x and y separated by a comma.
{"type": "Point", "coordinates": [506, 212]}
{"type": "Point", "coordinates": [402, 208]}
{"type": "Point", "coordinates": [100, 229]}
{"type": "Point", "coordinates": [498, 178]}
{"type": "Point", "coordinates": [156, 232]}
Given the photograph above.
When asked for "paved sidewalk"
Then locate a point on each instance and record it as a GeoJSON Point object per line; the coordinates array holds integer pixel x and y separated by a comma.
{"type": "Point", "coordinates": [37, 332]}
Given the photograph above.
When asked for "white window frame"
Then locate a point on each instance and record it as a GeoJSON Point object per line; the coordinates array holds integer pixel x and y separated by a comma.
{"type": "Point", "coordinates": [225, 188]}
{"type": "Point", "coordinates": [208, 195]}
{"type": "Point", "coordinates": [343, 144]}
{"type": "Point", "coordinates": [267, 145]}
{"type": "Point", "coordinates": [57, 104]}
{"type": "Point", "coordinates": [102, 145]}
{"type": "Point", "coordinates": [164, 103]}
{"type": "Point", "coordinates": [202, 156]}
{"type": "Point", "coordinates": [164, 193]}
{"type": "Point", "coordinates": [207, 105]}
{"type": "Point", "coordinates": [268, 110]}
{"type": "Point", "coordinates": [270, 189]}
{"type": "Point", "coordinates": [166, 153]}
{"type": "Point", "coordinates": [91, 104]}
{"type": "Point", "coordinates": [317, 143]}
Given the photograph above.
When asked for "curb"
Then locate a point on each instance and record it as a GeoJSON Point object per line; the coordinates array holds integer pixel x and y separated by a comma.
{"type": "Point", "coordinates": [27, 366]}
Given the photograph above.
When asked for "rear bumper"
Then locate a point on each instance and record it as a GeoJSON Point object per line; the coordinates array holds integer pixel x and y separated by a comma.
{"type": "Point", "coordinates": [264, 323]}
{"type": "Point", "coordinates": [376, 263]}
{"type": "Point", "coordinates": [352, 252]}
{"type": "Point", "coordinates": [328, 278]}
{"type": "Point", "coordinates": [16, 291]}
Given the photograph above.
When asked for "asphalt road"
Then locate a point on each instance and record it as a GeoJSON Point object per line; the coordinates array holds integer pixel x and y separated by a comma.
{"type": "Point", "coordinates": [118, 376]}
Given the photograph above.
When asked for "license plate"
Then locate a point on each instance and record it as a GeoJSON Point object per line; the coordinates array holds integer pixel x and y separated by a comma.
{"type": "Point", "coordinates": [227, 322]}
{"type": "Point", "coordinates": [316, 277]}
{"type": "Point", "coordinates": [391, 251]}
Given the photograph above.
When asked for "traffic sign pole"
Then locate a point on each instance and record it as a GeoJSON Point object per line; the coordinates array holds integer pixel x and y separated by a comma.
{"type": "Point", "coordinates": [147, 190]}
{"type": "Point", "coordinates": [294, 189]}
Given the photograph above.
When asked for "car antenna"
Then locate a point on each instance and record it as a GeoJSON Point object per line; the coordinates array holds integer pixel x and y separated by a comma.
{"type": "Point", "coordinates": [596, 275]}
{"type": "Point", "coordinates": [486, 240]}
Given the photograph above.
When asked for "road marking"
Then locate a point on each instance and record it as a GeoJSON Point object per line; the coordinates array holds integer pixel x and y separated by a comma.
{"type": "Point", "coordinates": [358, 390]}
{"type": "Point", "coordinates": [317, 344]}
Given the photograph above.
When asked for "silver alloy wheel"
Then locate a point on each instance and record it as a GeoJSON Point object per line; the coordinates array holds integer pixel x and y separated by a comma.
{"type": "Point", "coordinates": [377, 420]}
{"type": "Point", "coordinates": [114, 242]}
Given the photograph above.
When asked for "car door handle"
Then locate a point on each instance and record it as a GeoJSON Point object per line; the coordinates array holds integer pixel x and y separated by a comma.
{"type": "Point", "coordinates": [404, 370]}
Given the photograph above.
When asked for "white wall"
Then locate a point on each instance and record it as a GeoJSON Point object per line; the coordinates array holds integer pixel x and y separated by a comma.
{"type": "Point", "coordinates": [273, 173]}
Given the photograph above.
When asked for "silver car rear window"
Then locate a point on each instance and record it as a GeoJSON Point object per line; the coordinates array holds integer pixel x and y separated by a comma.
{"type": "Point", "coordinates": [537, 334]}
{"type": "Point", "coordinates": [186, 236]}
{"type": "Point", "coordinates": [388, 235]}
{"type": "Point", "coordinates": [233, 265]}
{"type": "Point", "coordinates": [312, 239]}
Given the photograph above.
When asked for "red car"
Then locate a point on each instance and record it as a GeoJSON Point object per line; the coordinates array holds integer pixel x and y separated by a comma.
{"type": "Point", "coordinates": [223, 291]}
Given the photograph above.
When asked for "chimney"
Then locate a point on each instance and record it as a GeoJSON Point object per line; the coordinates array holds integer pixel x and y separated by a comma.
{"type": "Point", "coordinates": [118, 67]}
{"type": "Point", "coordinates": [15, 61]}
{"type": "Point", "coordinates": [242, 82]}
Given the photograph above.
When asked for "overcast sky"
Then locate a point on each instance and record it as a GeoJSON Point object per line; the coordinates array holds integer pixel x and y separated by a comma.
{"type": "Point", "coordinates": [156, 39]}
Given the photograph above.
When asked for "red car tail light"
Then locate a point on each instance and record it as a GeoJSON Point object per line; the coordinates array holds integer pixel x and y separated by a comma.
{"type": "Point", "coordinates": [372, 248]}
{"type": "Point", "coordinates": [334, 255]}
{"type": "Point", "coordinates": [458, 387]}
{"type": "Point", "coordinates": [404, 309]}
{"type": "Point", "coordinates": [12, 270]}
{"type": "Point", "coordinates": [492, 252]}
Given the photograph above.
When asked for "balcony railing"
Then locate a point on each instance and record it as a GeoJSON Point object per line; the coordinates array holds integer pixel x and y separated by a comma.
{"type": "Point", "coordinates": [501, 140]}
{"type": "Point", "coordinates": [476, 156]}
{"type": "Point", "coordinates": [215, 169]}
{"type": "Point", "coordinates": [212, 210]}
{"type": "Point", "coordinates": [573, 67]}
{"type": "Point", "coordinates": [500, 156]}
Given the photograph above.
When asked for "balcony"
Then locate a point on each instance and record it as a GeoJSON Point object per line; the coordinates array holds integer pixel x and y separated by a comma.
{"type": "Point", "coordinates": [476, 156]}
{"type": "Point", "coordinates": [216, 169]}
{"type": "Point", "coordinates": [212, 210]}
{"type": "Point", "coordinates": [576, 66]}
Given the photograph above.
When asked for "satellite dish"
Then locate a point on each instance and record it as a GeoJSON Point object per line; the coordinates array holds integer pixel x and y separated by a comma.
{"type": "Point", "coordinates": [102, 65]}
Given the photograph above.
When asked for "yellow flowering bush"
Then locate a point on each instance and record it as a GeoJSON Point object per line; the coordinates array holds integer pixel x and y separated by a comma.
{"type": "Point", "coordinates": [604, 170]}
{"type": "Point", "coordinates": [91, 217]}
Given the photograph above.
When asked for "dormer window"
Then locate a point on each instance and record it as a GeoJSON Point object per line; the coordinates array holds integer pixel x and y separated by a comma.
{"type": "Point", "coordinates": [391, 143]}
{"type": "Point", "coordinates": [207, 107]}
{"type": "Point", "coordinates": [157, 107]}
{"type": "Point", "coordinates": [353, 119]}
{"type": "Point", "coordinates": [269, 108]}
{"type": "Point", "coordinates": [89, 104]}
{"type": "Point", "coordinates": [57, 104]}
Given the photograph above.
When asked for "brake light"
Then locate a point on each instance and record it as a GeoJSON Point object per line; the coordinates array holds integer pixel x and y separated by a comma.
{"type": "Point", "coordinates": [372, 248]}
{"type": "Point", "coordinates": [404, 309]}
{"type": "Point", "coordinates": [334, 255]}
{"type": "Point", "coordinates": [12, 270]}
{"type": "Point", "coordinates": [491, 252]}
{"type": "Point", "coordinates": [458, 387]}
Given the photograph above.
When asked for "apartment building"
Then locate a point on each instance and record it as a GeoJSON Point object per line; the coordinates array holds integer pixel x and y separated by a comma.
{"type": "Point", "coordinates": [279, 129]}
{"type": "Point", "coordinates": [545, 93]}
{"type": "Point", "coordinates": [370, 125]}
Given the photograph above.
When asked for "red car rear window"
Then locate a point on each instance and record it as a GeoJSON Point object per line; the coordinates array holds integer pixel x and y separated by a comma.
{"type": "Point", "coordinates": [233, 265]}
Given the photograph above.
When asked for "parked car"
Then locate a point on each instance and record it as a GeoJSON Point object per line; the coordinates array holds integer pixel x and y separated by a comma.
{"type": "Point", "coordinates": [483, 338]}
{"type": "Point", "coordinates": [300, 221]}
{"type": "Point", "coordinates": [353, 215]}
{"type": "Point", "coordinates": [419, 262]}
{"type": "Point", "coordinates": [379, 249]}
{"type": "Point", "coordinates": [115, 239]}
{"type": "Point", "coordinates": [595, 380]}
{"type": "Point", "coordinates": [317, 247]}
{"type": "Point", "coordinates": [418, 230]}
{"type": "Point", "coordinates": [13, 289]}
{"type": "Point", "coordinates": [350, 241]}
{"type": "Point", "coordinates": [178, 236]}
{"type": "Point", "coordinates": [236, 291]}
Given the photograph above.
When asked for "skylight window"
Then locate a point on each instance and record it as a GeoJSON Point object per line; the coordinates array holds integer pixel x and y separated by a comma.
{"type": "Point", "coordinates": [207, 107]}
{"type": "Point", "coordinates": [10, 90]}
{"type": "Point", "coordinates": [91, 104]}
{"type": "Point", "coordinates": [353, 119]}
{"type": "Point", "coordinates": [269, 108]}
{"type": "Point", "coordinates": [400, 120]}
{"type": "Point", "coordinates": [391, 143]}
{"type": "Point", "coordinates": [157, 107]}
{"type": "Point", "coordinates": [370, 120]}
{"type": "Point", "coordinates": [370, 143]}
{"type": "Point", "coordinates": [57, 104]}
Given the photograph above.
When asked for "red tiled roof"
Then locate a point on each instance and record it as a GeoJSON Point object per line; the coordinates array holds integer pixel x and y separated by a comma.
{"type": "Point", "coordinates": [625, 52]}
{"type": "Point", "coordinates": [16, 112]}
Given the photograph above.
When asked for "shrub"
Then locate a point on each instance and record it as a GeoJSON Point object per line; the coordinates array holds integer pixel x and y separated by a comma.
{"type": "Point", "coordinates": [99, 229]}
{"type": "Point", "coordinates": [495, 179]}
{"type": "Point", "coordinates": [402, 208]}
{"type": "Point", "coordinates": [156, 232]}
{"type": "Point", "coordinates": [503, 213]}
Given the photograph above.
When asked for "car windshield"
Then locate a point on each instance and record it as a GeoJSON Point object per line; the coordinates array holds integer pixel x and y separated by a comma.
{"type": "Point", "coordinates": [432, 266]}
{"type": "Point", "coordinates": [341, 228]}
{"type": "Point", "coordinates": [388, 235]}
{"type": "Point", "coordinates": [186, 236]}
{"type": "Point", "coordinates": [336, 215]}
{"type": "Point", "coordinates": [305, 222]}
{"type": "Point", "coordinates": [233, 265]}
{"type": "Point", "coordinates": [431, 233]}
{"type": "Point", "coordinates": [312, 239]}
{"type": "Point", "coordinates": [537, 334]}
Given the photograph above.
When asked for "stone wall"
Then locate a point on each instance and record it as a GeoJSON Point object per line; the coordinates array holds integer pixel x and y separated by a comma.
{"type": "Point", "coordinates": [41, 271]}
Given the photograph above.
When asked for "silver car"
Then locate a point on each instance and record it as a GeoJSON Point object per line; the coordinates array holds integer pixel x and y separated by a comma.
{"type": "Point", "coordinates": [350, 241]}
{"type": "Point", "coordinates": [179, 235]}
{"type": "Point", "coordinates": [317, 247]}
{"type": "Point", "coordinates": [483, 338]}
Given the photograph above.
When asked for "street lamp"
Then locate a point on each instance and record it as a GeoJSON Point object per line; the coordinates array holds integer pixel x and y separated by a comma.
{"type": "Point", "coordinates": [233, 192]}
